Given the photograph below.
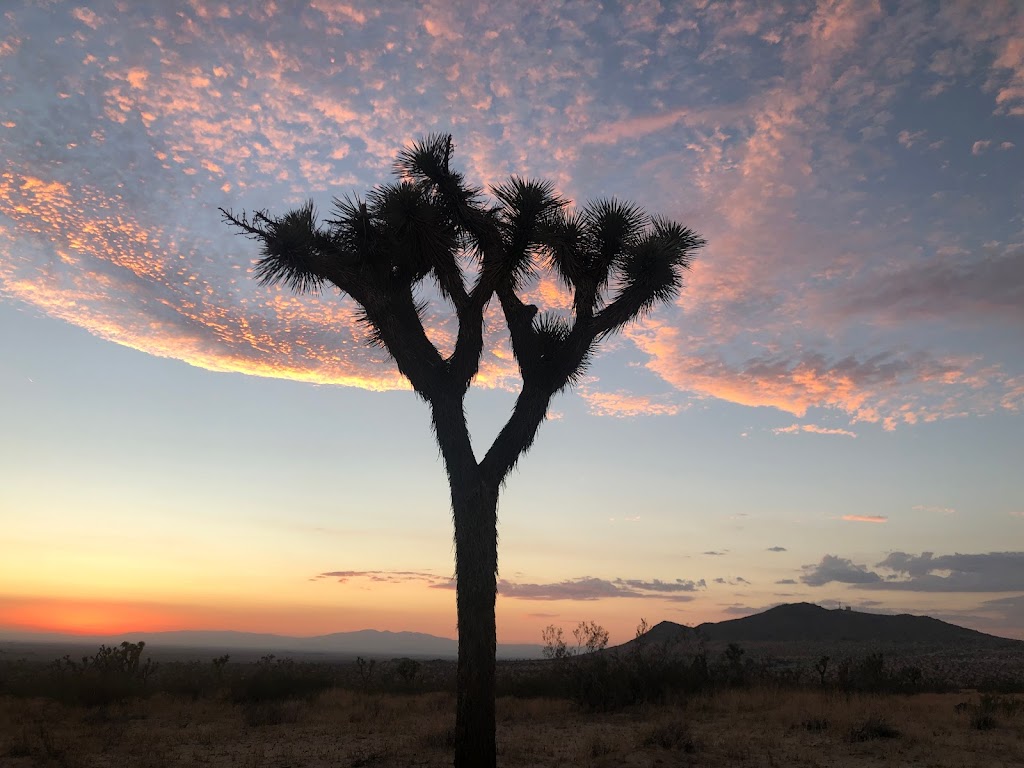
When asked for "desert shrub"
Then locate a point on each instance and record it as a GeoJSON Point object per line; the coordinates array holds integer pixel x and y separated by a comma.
{"type": "Point", "coordinates": [983, 721]}
{"type": "Point", "coordinates": [406, 670]}
{"type": "Point", "coordinates": [983, 715]}
{"type": "Point", "coordinates": [440, 739]}
{"type": "Point", "coordinates": [600, 746]}
{"type": "Point", "coordinates": [111, 675]}
{"type": "Point", "coordinates": [873, 674]}
{"type": "Point", "coordinates": [874, 727]}
{"type": "Point", "coordinates": [193, 679]}
{"type": "Point", "coordinates": [365, 669]}
{"type": "Point", "coordinates": [20, 745]}
{"type": "Point", "coordinates": [645, 673]}
{"type": "Point", "coordinates": [731, 670]}
{"type": "Point", "coordinates": [1007, 705]}
{"type": "Point", "coordinates": [279, 679]}
{"type": "Point", "coordinates": [1001, 684]}
{"type": "Point", "coordinates": [258, 714]}
{"type": "Point", "coordinates": [815, 724]}
{"type": "Point", "coordinates": [673, 735]}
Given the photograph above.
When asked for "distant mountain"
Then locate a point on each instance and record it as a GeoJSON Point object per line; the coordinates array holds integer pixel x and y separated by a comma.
{"type": "Point", "coordinates": [370, 643]}
{"type": "Point", "coordinates": [811, 624]}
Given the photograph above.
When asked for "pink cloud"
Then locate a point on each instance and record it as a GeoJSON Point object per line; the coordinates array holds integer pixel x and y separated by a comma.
{"type": "Point", "coordinates": [866, 518]}
{"type": "Point", "coordinates": [624, 405]}
{"type": "Point", "coordinates": [276, 117]}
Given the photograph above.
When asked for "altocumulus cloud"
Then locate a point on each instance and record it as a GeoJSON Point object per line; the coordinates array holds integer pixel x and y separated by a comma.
{"type": "Point", "coordinates": [126, 124]}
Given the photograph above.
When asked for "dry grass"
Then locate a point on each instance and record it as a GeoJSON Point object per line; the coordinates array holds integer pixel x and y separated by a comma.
{"type": "Point", "coordinates": [345, 728]}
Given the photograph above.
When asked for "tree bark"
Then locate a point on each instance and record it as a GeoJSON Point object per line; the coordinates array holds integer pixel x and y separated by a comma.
{"type": "Point", "coordinates": [475, 508]}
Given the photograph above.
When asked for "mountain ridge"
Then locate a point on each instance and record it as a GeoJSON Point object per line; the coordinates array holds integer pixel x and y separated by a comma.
{"type": "Point", "coordinates": [809, 623]}
{"type": "Point", "coordinates": [787, 624]}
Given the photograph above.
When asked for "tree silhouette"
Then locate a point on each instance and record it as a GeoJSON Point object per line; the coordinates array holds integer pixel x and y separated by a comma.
{"type": "Point", "coordinates": [618, 262]}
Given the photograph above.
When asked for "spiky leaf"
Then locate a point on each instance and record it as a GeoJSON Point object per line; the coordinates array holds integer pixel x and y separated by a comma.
{"type": "Point", "coordinates": [290, 245]}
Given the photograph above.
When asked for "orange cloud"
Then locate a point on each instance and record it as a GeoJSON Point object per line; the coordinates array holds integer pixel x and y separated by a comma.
{"type": "Point", "coordinates": [273, 118]}
{"type": "Point", "coordinates": [339, 13]}
{"type": "Point", "coordinates": [624, 405]}
{"type": "Point", "coordinates": [886, 388]}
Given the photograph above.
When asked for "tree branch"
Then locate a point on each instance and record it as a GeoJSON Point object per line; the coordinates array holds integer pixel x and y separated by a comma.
{"type": "Point", "coordinates": [519, 318]}
{"type": "Point", "coordinates": [398, 326]}
{"type": "Point", "coordinates": [517, 435]}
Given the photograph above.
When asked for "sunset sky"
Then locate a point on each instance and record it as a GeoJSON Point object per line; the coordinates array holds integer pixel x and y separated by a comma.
{"type": "Point", "coordinates": [832, 412]}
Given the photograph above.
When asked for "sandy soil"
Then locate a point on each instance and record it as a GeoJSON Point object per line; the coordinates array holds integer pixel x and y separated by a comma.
{"type": "Point", "coordinates": [345, 728]}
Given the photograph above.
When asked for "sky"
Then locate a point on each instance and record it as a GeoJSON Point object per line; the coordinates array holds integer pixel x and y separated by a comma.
{"type": "Point", "coordinates": [831, 412]}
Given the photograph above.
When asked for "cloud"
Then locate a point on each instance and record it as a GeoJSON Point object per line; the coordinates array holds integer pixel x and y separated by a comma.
{"type": "Point", "coordinates": [776, 549]}
{"type": "Point", "coordinates": [712, 552]}
{"type": "Point", "coordinates": [990, 572]}
{"type": "Point", "coordinates": [933, 508]}
{"type": "Point", "coordinates": [734, 582]}
{"type": "Point", "coordinates": [793, 429]}
{"type": "Point", "coordinates": [391, 577]}
{"type": "Point", "coordinates": [983, 286]}
{"type": "Point", "coordinates": [1010, 609]}
{"type": "Point", "coordinates": [623, 405]}
{"type": "Point", "coordinates": [979, 147]}
{"type": "Point", "coordinates": [889, 388]}
{"type": "Point", "coordinates": [588, 588]}
{"type": "Point", "coordinates": [986, 572]}
{"type": "Point", "coordinates": [910, 138]}
{"type": "Point", "coordinates": [865, 518]}
{"type": "Point", "coordinates": [786, 581]}
{"type": "Point", "coordinates": [838, 569]}
{"type": "Point", "coordinates": [147, 123]}
{"type": "Point", "coordinates": [635, 127]}
{"type": "Point", "coordinates": [741, 610]}
{"type": "Point", "coordinates": [679, 585]}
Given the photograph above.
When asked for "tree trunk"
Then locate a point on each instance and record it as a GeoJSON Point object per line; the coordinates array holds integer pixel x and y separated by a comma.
{"type": "Point", "coordinates": [475, 508]}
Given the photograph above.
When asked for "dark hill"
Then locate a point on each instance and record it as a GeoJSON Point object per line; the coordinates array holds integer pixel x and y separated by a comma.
{"type": "Point", "coordinates": [804, 623]}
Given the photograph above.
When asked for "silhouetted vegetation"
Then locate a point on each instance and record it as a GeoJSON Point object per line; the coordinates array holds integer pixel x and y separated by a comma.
{"type": "Point", "coordinates": [661, 697]}
{"type": "Point", "coordinates": [582, 670]}
{"type": "Point", "coordinates": [617, 262]}
{"type": "Point", "coordinates": [112, 674]}
{"type": "Point", "coordinates": [872, 728]}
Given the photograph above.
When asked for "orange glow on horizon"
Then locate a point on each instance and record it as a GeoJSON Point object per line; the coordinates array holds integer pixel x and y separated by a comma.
{"type": "Point", "coordinates": [86, 617]}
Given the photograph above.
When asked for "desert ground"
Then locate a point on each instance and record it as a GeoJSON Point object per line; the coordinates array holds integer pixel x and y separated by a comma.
{"type": "Point", "coordinates": [759, 726]}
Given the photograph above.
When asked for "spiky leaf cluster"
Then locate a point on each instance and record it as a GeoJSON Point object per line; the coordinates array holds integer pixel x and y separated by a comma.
{"type": "Point", "coordinates": [618, 262]}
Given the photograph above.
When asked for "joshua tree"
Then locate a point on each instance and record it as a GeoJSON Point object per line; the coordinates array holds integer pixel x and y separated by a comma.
{"type": "Point", "coordinates": [618, 262]}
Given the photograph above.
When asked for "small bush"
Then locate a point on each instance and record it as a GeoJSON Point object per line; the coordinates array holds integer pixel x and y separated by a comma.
{"type": "Point", "coordinates": [600, 746]}
{"type": "Point", "coordinates": [442, 739]}
{"type": "Point", "coordinates": [262, 713]}
{"type": "Point", "coordinates": [672, 735]}
{"type": "Point", "coordinates": [983, 721]}
{"type": "Point", "coordinates": [280, 679]}
{"type": "Point", "coordinates": [407, 669]}
{"type": "Point", "coordinates": [873, 728]}
{"type": "Point", "coordinates": [1006, 705]}
{"type": "Point", "coordinates": [815, 724]}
